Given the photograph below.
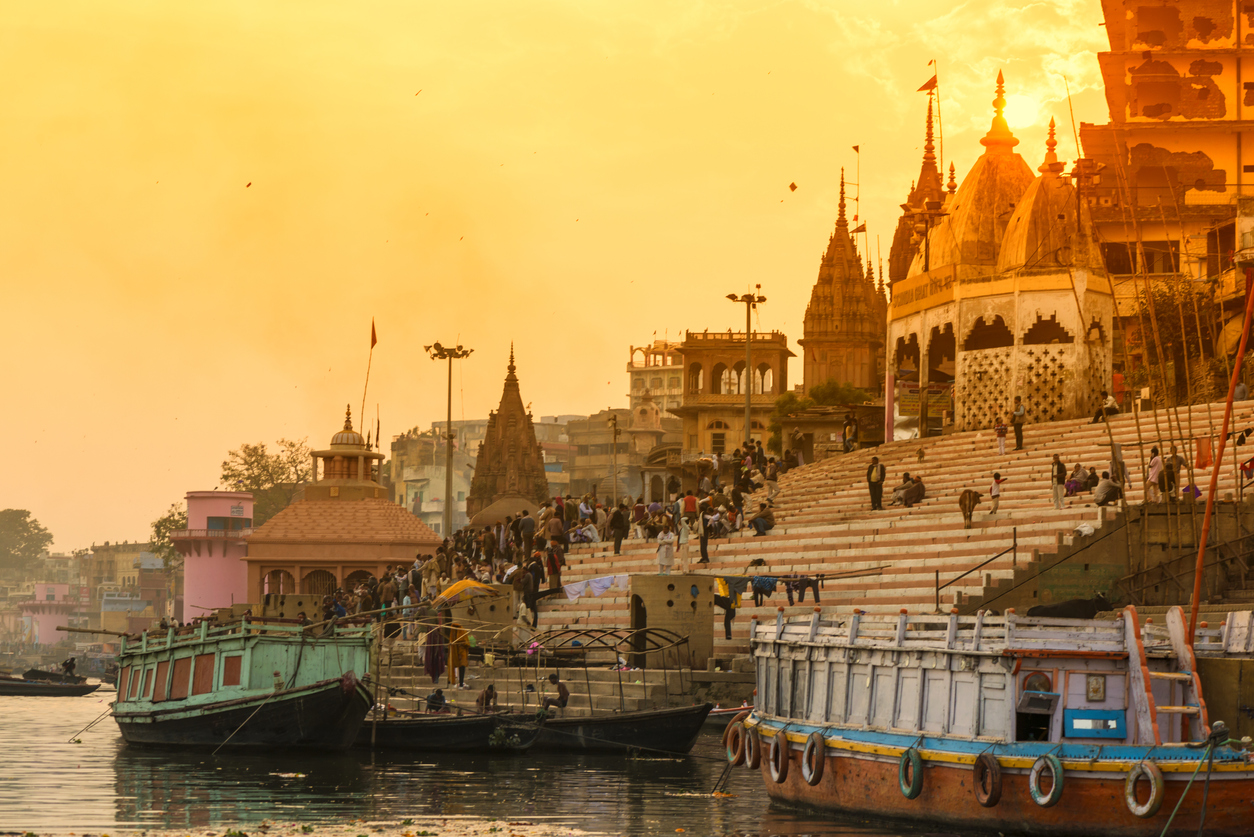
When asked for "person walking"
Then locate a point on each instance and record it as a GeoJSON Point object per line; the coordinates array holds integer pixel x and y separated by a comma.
{"type": "Point", "coordinates": [772, 478]}
{"type": "Point", "coordinates": [875, 474]}
{"type": "Point", "coordinates": [1173, 470]}
{"type": "Point", "coordinates": [1000, 430]}
{"type": "Point", "coordinates": [527, 526]}
{"type": "Point", "coordinates": [994, 492]}
{"type": "Point", "coordinates": [618, 526]}
{"type": "Point", "coordinates": [1156, 479]}
{"type": "Point", "coordinates": [1058, 480]}
{"type": "Point", "coordinates": [1017, 415]}
{"type": "Point", "coordinates": [665, 550]}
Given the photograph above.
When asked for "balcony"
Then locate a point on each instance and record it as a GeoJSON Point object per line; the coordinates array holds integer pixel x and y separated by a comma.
{"type": "Point", "coordinates": [209, 534]}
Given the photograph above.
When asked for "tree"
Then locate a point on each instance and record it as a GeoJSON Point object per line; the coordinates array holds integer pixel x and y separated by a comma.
{"type": "Point", "coordinates": [827, 394]}
{"type": "Point", "coordinates": [1177, 327]}
{"type": "Point", "coordinates": [22, 539]}
{"type": "Point", "coordinates": [174, 519]}
{"type": "Point", "coordinates": [273, 478]}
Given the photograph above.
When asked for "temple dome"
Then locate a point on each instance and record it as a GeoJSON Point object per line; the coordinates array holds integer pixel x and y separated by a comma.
{"type": "Point", "coordinates": [348, 437]}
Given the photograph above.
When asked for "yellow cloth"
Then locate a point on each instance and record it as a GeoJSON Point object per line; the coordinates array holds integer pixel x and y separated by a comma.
{"type": "Point", "coordinates": [458, 650]}
{"type": "Point", "coordinates": [720, 587]}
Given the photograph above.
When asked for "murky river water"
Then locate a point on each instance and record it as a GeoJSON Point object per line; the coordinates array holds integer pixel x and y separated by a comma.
{"type": "Point", "coordinates": [49, 784]}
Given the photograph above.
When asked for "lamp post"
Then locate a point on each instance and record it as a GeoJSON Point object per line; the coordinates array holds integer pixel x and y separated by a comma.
{"type": "Point", "coordinates": [439, 352]}
{"type": "Point", "coordinates": [750, 301]}
{"type": "Point", "coordinates": [614, 431]}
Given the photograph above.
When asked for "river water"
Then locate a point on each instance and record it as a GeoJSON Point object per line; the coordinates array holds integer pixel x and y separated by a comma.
{"type": "Point", "coordinates": [50, 784]}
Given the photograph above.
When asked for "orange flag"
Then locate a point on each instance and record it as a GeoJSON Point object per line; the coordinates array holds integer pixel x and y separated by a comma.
{"type": "Point", "coordinates": [374, 338]}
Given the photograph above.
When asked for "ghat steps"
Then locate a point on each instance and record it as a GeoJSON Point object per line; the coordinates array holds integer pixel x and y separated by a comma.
{"type": "Point", "coordinates": [824, 523]}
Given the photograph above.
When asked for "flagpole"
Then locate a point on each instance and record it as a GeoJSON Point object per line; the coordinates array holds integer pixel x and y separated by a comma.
{"type": "Point", "coordinates": [940, 127]}
{"type": "Point", "coordinates": [361, 416]}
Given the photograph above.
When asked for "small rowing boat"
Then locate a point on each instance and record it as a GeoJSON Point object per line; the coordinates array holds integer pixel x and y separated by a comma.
{"type": "Point", "coordinates": [440, 733]}
{"type": "Point", "coordinates": [18, 686]}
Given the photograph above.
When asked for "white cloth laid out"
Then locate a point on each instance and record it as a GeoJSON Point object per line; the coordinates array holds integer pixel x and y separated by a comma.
{"type": "Point", "coordinates": [598, 586]}
{"type": "Point", "coordinates": [594, 586]}
{"type": "Point", "coordinates": [575, 589]}
{"type": "Point", "coordinates": [620, 581]}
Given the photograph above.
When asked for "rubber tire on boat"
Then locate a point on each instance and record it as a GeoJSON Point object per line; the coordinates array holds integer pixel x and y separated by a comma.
{"type": "Point", "coordinates": [777, 756]}
{"type": "Point", "coordinates": [1152, 772]}
{"type": "Point", "coordinates": [739, 719]}
{"type": "Point", "coordinates": [735, 741]}
{"type": "Point", "coordinates": [753, 749]}
{"type": "Point", "coordinates": [912, 758]}
{"type": "Point", "coordinates": [986, 767]}
{"type": "Point", "coordinates": [816, 751]}
{"type": "Point", "coordinates": [1054, 766]}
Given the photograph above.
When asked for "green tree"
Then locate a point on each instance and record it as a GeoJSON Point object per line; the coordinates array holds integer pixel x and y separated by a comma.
{"type": "Point", "coordinates": [827, 394]}
{"type": "Point", "coordinates": [22, 539]}
{"type": "Point", "coordinates": [1181, 359]}
{"type": "Point", "coordinates": [273, 478]}
{"type": "Point", "coordinates": [174, 519]}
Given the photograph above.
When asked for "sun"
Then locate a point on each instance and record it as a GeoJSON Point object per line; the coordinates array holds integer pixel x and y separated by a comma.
{"type": "Point", "coordinates": [1022, 111]}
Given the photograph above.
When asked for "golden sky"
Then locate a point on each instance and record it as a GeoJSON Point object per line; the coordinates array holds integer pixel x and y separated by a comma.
{"type": "Point", "coordinates": [572, 176]}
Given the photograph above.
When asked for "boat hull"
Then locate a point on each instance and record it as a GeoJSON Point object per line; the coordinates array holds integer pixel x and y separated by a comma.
{"type": "Point", "coordinates": [666, 730]}
{"type": "Point", "coordinates": [448, 734]}
{"type": "Point", "coordinates": [322, 716]}
{"type": "Point", "coordinates": [53, 676]}
{"type": "Point", "coordinates": [865, 785]}
{"type": "Point", "coordinates": [43, 688]}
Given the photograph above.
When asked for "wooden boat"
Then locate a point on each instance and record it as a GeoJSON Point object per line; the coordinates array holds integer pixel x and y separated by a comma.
{"type": "Point", "coordinates": [43, 688]}
{"type": "Point", "coordinates": [52, 676]}
{"type": "Point", "coordinates": [987, 723]}
{"type": "Point", "coordinates": [452, 733]}
{"type": "Point", "coordinates": [720, 717]}
{"type": "Point", "coordinates": [243, 685]}
{"type": "Point", "coordinates": [665, 730]}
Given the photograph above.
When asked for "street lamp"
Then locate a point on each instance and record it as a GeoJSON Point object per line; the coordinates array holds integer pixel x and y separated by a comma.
{"type": "Point", "coordinates": [614, 431]}
{"type": "Point", "coordinates": [751, 301]}
{"type": "Point", "coordinates": [439, 352]}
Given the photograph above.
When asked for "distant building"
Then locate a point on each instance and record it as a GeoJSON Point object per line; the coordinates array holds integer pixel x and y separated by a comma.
{"type": "Point", "coordinates": [418, 476]}
{"type": "Point", "coordinates": [342, 530]}
{"type": "Point", "coordinates": [843, 332]}
{"type": "Point", "coordinates": [510, 461]}
{"type": "Point", "coordinates": [213, 547]}
{"type": "Point", "coordinates": [52, 605]}
{"type": "Point", "coordinates": [640, 429]}
{"type": "Point", "coordinates": [658, 371]}
{"type": "Point", "coordinates": [102, 569]}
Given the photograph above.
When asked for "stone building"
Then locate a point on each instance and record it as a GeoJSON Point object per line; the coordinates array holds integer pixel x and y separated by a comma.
{"type": "Point", "coordinates": [715, 380]}
{"type": "Point", "coordinates": [640, 429]}
{"type": "Point", "coordinates": [925, 193]}
{"type": "Point", "coordinates": [656, 370]}
{"type": "Point", "coordinates": [843, 332]}
{"type": "Point", "coordinates": [1162, 176]}
{"type": "Point", "coordinates": [1008, 291]}
{"type": "Point", "coordinates": [510, 461]}
{"type": "Point", "coordinates": [341, 530]}
{"type": "Point", "coordinates": [418, 478]}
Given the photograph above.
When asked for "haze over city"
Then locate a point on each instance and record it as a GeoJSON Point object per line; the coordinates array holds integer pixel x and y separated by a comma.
{"type": "Point", "coordinates": [205, 205]}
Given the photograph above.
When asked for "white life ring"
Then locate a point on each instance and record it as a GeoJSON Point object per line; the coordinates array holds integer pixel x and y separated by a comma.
{"type": "Point", "coordinates": [1150, 771]}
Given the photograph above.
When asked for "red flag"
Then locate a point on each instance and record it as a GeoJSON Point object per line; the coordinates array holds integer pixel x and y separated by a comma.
{"type": "Point", "coordinates": [930, 84]}
{"type": "Point", "coordinates": [374, 338]}
{"type": "Point", "coordinates": [860, 228]}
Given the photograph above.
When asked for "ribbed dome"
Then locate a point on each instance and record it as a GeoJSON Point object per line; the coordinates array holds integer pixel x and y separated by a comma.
{"type": "Point", "coordinates": [348, 437]}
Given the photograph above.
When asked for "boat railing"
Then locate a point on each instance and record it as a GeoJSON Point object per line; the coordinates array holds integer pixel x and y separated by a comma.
{"type": "Point", "coordinates": [205, 631]}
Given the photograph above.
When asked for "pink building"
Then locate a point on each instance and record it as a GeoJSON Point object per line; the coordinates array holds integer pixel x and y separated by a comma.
{"type": "Point", "coordinates": [213, 547]}
{"type": "Point", "coordinates": [54, 604]}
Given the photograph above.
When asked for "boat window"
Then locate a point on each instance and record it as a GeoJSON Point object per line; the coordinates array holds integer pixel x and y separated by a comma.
{"type": "Point", "coordinates": [1094, 723]}
{"type": "Point", "coordinates": [148, 683]}
{"type": "Point", "coordinates": [182, 677]}
{"type": "Point", "coordinates": [202, 679]}
{"type": "Point", "coordinates": [1035, 707]}
{"type": "Point", "coordinates": [124, 680]}
{"type": "Point", "coordinates": [231, 669]}
{"type": "Point", "coordinates": [158, 691]}
{"type": "Point", "coordinates": [136, 677]}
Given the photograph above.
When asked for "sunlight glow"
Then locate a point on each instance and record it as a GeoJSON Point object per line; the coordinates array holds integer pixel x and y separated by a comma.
{"type": "Point", "coordinates": [1022, 111]}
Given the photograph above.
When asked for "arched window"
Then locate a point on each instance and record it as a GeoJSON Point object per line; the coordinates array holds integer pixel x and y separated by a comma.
{"type": "Point", "coordinates": [756, 425]}
{"type": "Point", "coordinates": [318, 583]}
{"type": "Point", "coordinates": [719, 379]}
{"type": "Point", "coordinates": [278, 581]}
{"type": "Point", "coordinates": [990, 333]}
{"type": "Point", "coordinates": [739, 379]}
{"type": "Point", "coordinates": [764, 380]}
{"type": "Point", "coordinates": [696, 380]}
{"type": "Point", "coordinates": [718, 425]}
{"type": "Point", "coordinates": [1044, 332]}
{"type": "Point", "coordinates": [354, 578]}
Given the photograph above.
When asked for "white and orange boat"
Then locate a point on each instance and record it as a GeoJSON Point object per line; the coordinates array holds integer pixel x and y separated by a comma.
{"type": "Point", "coordinates": [998, 723]}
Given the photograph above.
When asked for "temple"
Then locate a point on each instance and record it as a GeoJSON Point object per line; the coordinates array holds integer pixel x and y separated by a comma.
{"type": "Point", "coordinates": [510, 462]}
{"type": "Point", "coordinates": [1007, 294]}
{"type": "Point", "coordinates": [925, 193]}
{"type": "Point", "coordinates": [342, 530]}
{"type": "Point", "coordinates": [843, 332]}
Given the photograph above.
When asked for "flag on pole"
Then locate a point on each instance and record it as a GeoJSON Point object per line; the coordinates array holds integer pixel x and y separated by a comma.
{"type": "Point", "coordinates": [374, 337]}
{"type": "Point", "coordinates": [930, 84]}
{"type": "Point", "coordinates": [855, 150]}
{"type": "Point", "coordinates": [859, 228]}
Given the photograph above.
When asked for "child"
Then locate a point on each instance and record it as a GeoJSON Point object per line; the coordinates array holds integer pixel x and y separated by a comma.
{"type": "Point", "coordinates": [994, 490]}
{"type": "Point", "coordinates": [1000, 430]}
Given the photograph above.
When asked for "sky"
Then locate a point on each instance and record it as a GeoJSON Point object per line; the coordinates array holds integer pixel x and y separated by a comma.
{"type": "Point", "coordinates": [204, 204]}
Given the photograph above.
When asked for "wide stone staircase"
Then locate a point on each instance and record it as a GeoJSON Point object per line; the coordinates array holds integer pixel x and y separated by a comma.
{"type": "Point", "coordinates": [892, 558]}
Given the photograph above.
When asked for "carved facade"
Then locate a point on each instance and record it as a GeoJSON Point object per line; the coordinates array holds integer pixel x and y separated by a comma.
{"type": "Point", "coordinates": [843, 331]}
{"type": "Point", "coordinates": [1008, 295]}
{"type": "Point", "coordinates": [924, 191]}
{"type": "Point", "coordinates": [510, 460]}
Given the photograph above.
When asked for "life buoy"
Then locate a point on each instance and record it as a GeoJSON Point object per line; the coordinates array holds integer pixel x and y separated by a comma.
{"type": "Point", "coordinates": [1051, 763]}
{"type": "Point", "coordinates": [1150, 771]}
{"type": "Point", "coordinates": [813, 758]}
{"type": "Point", "coordinates": [753, 749]}
{"type": "Point", "coordinates": [734, 739]}
{"type": "Point", "coordinates": [737, 720]}
{"type": "Point", "coordinates": [777, 755]}
{"type": "Point", "coordinates": [912, 761]}
{"type": "Point", "coordinates": [986, 779]}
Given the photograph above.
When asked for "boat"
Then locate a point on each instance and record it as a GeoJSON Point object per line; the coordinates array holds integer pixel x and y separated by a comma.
{"type": "Point", "coordinates": [42, 688]}
{"type": "Point", "coordinates": [720, 717]}
{"type": "Point", "coordinates": [244, 685]}
{"type": "Point", "coordinates": [443, 733]}
{"type": "Point", "coordinates": [672, 730]}
{"type": "Point", "coordinates": [1032, 726]}
{"type": "Point", "coordinates": [52, 676]}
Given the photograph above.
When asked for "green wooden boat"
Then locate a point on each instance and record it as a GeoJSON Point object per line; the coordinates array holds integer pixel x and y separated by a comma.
{"type": "Point", "coordinates": [244, 685]}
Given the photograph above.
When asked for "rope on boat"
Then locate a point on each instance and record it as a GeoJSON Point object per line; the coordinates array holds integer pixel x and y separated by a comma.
{"type": "Point", "coordinates": [103, 715]}
{"type": "Point", "coordinates": [246, 720]}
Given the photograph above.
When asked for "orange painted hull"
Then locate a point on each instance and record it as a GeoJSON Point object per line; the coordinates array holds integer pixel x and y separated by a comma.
{"type": "Point", "coordinates": [866, 786]}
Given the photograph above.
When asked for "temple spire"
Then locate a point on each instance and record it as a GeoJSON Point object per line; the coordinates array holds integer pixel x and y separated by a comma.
{"type": "Point", "coordinates": [348, 417]}
{"type": "Point", "coordinates": [999, 139]}
{"type": "Point", "coordinates": [1051, 164]}
{"type": "Point", "coordinates": [929, 148]}
{"type": "Point", "coordinates": [952, 186]}
{"type": "Point", "coordinates": [840, 217]}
